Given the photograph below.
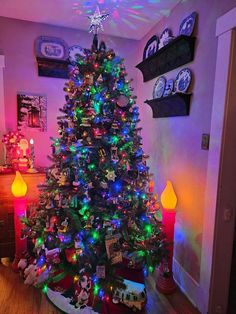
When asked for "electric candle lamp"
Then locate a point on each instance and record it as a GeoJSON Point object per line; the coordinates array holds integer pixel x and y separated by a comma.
{"type": "Point", "coordinates": [32, 169]}
{"type": "Point", "coordinates": [165, 282]}
{"type": "Point", "coordinates": [168, 197]}
{"type": "Point", "coordinates": [19, 187]}
{"type": "Point", "coordinates": [19, 190]}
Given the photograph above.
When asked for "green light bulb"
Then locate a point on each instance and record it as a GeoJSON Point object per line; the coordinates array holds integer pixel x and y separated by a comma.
{"type": "Point", "coordinates": [148, 229]}
{"type": "Point", "coordinates": [141, 253]}
{"type": "Point", "coordinates": [91, 167]}
{"type": "Point", "coordinates": [95, 235]}
{"type": "Point", "coordinates": [39, 241]}
{"type": "Point", "coordinates": [96, 289]}
{"type": "Point", "coordinates": [73, 149]}
{"type": "Point", "coordinates": [150, 269]}
{"type": "Point", "coordinates": [45, 289]}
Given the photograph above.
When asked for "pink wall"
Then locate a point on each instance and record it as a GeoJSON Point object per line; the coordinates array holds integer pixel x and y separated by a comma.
{"type": "Point", "coordinates": [174, 144]}
{"type": "Point", "coordinates": [20, 73]}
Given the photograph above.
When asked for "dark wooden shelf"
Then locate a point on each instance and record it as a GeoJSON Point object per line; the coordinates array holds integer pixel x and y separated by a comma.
{"type": "Point", "coordinates": [53, 67]}
{"type": "Point", "coordinates": [178, 52]}
{"type": "Point", "coordinates": [171, 106]}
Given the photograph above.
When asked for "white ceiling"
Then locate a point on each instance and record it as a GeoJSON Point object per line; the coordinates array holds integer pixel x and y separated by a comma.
{"type": "Point", "coordinates": [128, 18]}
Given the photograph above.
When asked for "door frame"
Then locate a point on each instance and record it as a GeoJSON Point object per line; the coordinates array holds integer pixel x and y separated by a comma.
{"type": "Point", "coordinates": [220, 195]}
{"type": "Point", "coordinates": [2, 110]}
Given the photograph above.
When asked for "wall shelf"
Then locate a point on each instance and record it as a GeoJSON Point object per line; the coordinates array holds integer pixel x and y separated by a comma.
{"type": "Point", "coordinates": [178, 52]}
{"type": "Point", "coordinates": [171, 106]}
{"type": "Point", "coordinates": [53, 68]}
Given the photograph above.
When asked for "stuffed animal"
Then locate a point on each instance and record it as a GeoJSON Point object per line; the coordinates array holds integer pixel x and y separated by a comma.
{"type": "Point", "coordinates": [33, 276]}
{"type": "Point", "coordinates": [25, 260]}
{"type": "Point", "coordinates": [30, 274]}
{"type": "Point", "coordinates": [22, 264]}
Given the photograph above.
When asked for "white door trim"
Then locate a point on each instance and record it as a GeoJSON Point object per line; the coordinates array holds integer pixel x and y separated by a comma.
{"type": "Point", "coordinates": [214, 272]}
{"type": "Point", "coordinates": [2, 108]}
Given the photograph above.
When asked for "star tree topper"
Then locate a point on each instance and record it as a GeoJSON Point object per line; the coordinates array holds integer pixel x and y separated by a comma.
{"type": "Point", "coordinates": [96, 21]}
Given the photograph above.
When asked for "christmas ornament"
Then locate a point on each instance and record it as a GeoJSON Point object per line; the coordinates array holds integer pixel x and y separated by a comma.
{"type": "Point", "coordinates": [64, 225]}
{"type": "Point", "coordinates": [100, 271]}
{"type": "Point", "coordinates": [79, 246]}
{"type": "Point", "coordinates": [114, 154]}
{"type": "Point", "coordinates": [111, 176]}
{"type": "Point", "coordinates": [104, 185]}
{"type": "Point", "coordinates": [85, 122]}
{"type": "Point", "coordinates": [52, 256]}
{"type": "Point", "coordinates": [122, 101]}
{"type": "Point", "coordinates": [113, 248]}
{"type": "Point", "coordinates": [100, 79]}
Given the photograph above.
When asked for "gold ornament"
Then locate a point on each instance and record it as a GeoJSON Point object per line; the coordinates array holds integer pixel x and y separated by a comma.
{"type": "Point", "coordinates": [111, 176]}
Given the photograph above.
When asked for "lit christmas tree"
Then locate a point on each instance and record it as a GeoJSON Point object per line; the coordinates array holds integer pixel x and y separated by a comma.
{"type": "Point", "coordinates": [96, 210]}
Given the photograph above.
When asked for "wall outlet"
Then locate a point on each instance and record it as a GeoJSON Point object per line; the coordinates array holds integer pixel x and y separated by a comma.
{"type": "Point", "coordinates": [205, 141]}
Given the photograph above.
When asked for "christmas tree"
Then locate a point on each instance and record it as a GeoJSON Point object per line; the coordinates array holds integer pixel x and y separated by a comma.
{"type": "Point", "coordinates": [96, 209]}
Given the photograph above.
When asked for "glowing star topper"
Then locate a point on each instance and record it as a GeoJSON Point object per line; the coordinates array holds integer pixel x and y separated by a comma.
{"type": "Point", "coordinates": [96, 21]}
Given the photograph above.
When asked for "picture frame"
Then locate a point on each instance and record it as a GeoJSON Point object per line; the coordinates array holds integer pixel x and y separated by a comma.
{"type": "Point", "coordinates": [31, 112]}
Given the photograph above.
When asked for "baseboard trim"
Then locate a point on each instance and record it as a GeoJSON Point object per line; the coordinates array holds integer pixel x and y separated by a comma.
{"type": "Point", "coordinates": [187, 284]}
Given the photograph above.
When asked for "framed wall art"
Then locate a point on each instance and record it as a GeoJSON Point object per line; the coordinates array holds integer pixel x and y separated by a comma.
{"type": "Point", "coordinates": [31, 112]}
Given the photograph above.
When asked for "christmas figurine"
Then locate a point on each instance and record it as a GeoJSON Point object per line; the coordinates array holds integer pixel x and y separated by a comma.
{"type": "Point", "coordinates": [64, 225]}
{"type": "Point", "coordinates": [114, 154]}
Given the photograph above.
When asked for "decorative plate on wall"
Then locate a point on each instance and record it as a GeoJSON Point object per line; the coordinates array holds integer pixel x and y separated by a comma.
{"type": "Point", "coordinates": [183, 80]}
{"type": "Point", "coordinates": [169, 88]}
{"type": "Point", "coordinates": [51, 48]}
{"type": "Point", "coordinates": [165, 38]}
{"type": "Point", "coordinates": [151, 47]}
{"type": "Point", "coordinates": [75, 51]}
{"type": "Point", "coordinates": [187, 25]}
{"type": "Point", "coordinates": [159, 87]}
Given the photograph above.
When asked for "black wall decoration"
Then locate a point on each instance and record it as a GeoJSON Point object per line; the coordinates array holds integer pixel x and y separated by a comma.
{"type": "Point", "coordinates": [169, 100]}
{"type": "Point", "coordinates": [178, 52]}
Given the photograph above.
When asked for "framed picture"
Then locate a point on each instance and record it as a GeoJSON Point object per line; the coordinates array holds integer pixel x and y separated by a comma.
{"type": "Point", "coordinates": [31, 112]}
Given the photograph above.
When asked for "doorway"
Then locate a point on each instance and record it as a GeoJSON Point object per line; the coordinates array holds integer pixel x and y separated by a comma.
{"type": "Point", "coordinates": [222, 158]}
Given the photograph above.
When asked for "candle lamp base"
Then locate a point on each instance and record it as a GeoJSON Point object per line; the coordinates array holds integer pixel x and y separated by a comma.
{"type": "Point", "coordinates": [32, 170]}
{"type": "Point", "coordinates": [165, 283]}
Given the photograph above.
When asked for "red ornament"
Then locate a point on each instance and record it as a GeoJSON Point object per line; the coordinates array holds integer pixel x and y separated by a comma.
{"type": "Point", "coordinates": [71, 256]}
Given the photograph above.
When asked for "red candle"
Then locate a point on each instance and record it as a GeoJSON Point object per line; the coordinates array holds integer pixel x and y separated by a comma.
{"type": "Point", "coordinates": [166, 284]}
{"type": "Point", "coordinates": [19, 190]}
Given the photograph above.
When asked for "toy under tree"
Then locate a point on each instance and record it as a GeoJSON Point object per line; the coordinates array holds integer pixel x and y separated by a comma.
{"type": "Point", "coordinates": [95, 215]}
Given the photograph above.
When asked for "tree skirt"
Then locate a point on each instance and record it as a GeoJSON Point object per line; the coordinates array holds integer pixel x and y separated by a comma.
{"type": "Point", "coordinates": [63, 304]}
{"type": "Point", "coordinates": [62, 299]}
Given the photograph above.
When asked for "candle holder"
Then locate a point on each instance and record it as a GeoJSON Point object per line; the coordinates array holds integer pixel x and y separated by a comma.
{"type": "Point", "coordinates": [165, 281]}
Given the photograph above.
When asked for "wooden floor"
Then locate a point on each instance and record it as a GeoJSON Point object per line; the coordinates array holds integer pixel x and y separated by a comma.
{"type": "Point", "coordinates": [17, 298]}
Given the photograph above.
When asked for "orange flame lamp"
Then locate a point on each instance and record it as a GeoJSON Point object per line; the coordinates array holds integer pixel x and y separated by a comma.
{"type": "Point", "coordinates": [165, 282]}
{"type": "Point", "coordinates": [19, 190]}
